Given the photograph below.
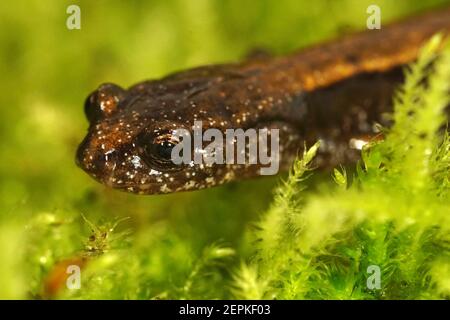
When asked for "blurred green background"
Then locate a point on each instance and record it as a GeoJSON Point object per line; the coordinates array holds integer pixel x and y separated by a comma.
{"type": "Point", "coordinates": [48, 70]}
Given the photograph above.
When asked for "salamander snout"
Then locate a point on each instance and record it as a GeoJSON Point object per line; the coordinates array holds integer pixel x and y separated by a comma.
{"type": "Point", "coordinates": [99, 165]}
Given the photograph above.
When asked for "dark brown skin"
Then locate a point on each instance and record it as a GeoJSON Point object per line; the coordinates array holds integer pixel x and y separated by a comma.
{"type": "Point", "coordinates": [334, 92]}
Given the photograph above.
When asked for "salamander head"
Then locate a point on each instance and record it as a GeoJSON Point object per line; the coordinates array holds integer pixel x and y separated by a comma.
{"type": "Point", "coordinates": [130, 141]}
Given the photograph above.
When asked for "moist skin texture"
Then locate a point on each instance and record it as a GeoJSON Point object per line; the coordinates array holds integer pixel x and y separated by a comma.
{"type": "Point", "coordinates": [334, 92]}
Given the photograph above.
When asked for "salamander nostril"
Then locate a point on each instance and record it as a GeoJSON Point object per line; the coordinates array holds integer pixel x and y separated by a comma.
{"type": "Point", "coordinates": [103, 163]}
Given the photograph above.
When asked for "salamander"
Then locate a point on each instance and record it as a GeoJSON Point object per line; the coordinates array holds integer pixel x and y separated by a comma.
{"type": "Point", "coordinates": [333, 92]}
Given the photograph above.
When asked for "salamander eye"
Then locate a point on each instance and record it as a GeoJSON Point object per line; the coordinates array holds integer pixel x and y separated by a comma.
{"type": "Point", "coordinates": [163, 150]}
{"type": "Point", "coordinates": [103, 101]}
{"type": "Point", "coordinates": [158, 151]}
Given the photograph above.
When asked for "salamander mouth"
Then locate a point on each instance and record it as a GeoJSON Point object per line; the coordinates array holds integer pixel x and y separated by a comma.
{"type": "Point", "coordinates": [131, 187]}
{"type": "Point", "coordinates": [112, 181]}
